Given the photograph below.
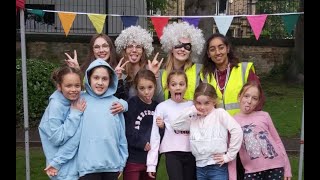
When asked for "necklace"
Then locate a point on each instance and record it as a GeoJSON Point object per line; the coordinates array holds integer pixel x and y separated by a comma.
{"type": "Point", "coordinates": [227, 78]}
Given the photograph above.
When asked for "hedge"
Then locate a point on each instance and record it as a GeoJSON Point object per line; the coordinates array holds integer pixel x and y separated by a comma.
{"type": "Point", "coordinates": [39, 87]}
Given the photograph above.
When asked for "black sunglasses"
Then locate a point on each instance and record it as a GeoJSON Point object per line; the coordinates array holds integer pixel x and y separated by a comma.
{"type": "Point", "coordinates": [187, 46]}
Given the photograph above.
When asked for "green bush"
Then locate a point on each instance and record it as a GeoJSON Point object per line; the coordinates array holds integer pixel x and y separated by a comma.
{"type": "Point", "coordinates": [39, 87]}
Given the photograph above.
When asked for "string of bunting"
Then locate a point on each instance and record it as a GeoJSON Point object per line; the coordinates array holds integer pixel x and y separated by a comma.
{"type": "Point", "coordinates": [159, 22]}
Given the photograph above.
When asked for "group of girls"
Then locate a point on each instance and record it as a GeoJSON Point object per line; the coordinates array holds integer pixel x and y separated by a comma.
{"type": "Point", "coordinates": [199, 116]}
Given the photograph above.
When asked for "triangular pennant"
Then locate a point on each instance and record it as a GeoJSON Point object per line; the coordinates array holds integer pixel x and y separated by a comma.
{"type": "Point", "coordinates": [290, 21]}
{"type": "Point", "coordinates": [223, 23]}
{"type": "Point", "coordinates": [66, 21]}
{"type": "Point", "coordinates": [257, 22]}
{"type": "Point", "coordinates": [192, 21]}
{"type": "Point", "coordinates": [129, 20]}
{"type": "Point", "coordinates": [159, 23]}
{"type": "Point", "coordinates": [37, 12]}
{"type": "Point", "coordinates": [98, 21]}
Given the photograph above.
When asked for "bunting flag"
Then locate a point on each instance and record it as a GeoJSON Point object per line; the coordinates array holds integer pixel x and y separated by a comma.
{"type": "Point", "coordinates": [129, 20]}
{"type": "Point", "coordinates": [98, 21]}
{"type": "Point", "coordinates": [257, 22]}
{"type": "Point", "coordinates": [192, 21]}
{"type": "Point", "coordinates": [37, 12]}
{"type": "Point", "coordinates": [19, 5]}
{"type": "Point", "coordinates": [159, 23]}
{"type": "Point", "coordinates": [223, 23]}
{"type": "Point", "coordinates": [66, 21]}
{"type": "Point", "coordinates": [290, 22]}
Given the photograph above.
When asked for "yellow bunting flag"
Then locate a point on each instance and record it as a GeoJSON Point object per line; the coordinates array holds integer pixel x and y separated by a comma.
{"type": "Point", "coordinates": [66, 21]}
{"type": "Point", "coordinates": [97, 21]}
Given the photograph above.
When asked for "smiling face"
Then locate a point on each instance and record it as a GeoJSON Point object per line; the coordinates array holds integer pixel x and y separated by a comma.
{"type": "Point", "coordinates": [218, 52]}
{"type": "Point", "coordinates": [101, 49]}
{"type": "Point", "coordinates": [177, 86]}
{"type": "Point", "coordinates": [99, 80]}
{"type": "Point", "coordinates": [180, 53]}
{"type": "Point", "coordinates": [134, 52]}
{"type": "Point", "coordinates": [249, 99]}
{"type": "Point", "coordinates": [70, 86]}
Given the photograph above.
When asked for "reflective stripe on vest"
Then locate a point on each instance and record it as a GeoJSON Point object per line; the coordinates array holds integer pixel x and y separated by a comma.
{"type": "Point", "coordinates": [193, 81]}
{"type": "Point", "coordinates": [238, 76]}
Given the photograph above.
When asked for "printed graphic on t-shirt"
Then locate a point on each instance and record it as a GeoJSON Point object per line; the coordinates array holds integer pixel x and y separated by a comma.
{"type": "Point", "coordinates": [141, 116]}
{"type": "Point", "coordinates": [257, 144]}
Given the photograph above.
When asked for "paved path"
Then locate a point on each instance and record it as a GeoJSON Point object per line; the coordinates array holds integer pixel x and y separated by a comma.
{"type": "Point", "coordinates": [291, 144]}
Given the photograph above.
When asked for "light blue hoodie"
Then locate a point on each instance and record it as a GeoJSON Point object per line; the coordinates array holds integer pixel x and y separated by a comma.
{"type": "Point", "coordinates": [103, 144]}
{"type": "Point", "coordinates": [59, 123]}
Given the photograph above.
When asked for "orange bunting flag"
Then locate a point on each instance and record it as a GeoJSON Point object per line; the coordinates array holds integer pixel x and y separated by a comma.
{"type": "Point", "coordinates": [159, 23]}
{"type": "Point", "coordinates": [66, 21]}
{"type": "Point", "coordinates": [97, 21]}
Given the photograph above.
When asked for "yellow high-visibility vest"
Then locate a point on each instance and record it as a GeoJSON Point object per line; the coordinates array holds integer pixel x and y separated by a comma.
{"type": "Point", "coordinates": [193, 81]}
{"type": "Point", "coordinates": [237, 78]}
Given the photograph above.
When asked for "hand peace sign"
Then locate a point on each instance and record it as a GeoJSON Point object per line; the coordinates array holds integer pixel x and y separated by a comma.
{"type": "Point", "coordinates": [120, 67]}
{"type": "Point", "coordinates": [155, 65]}
{"type": "Point", "coordinates": [72, 62]}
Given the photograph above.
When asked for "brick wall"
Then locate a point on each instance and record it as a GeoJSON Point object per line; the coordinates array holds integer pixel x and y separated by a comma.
{"type": "Point", "coordinates": [265, 54]}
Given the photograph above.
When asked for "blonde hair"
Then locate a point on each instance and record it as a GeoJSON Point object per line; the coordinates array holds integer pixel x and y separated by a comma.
{"type": "Point", "coordinates": [170, 60]}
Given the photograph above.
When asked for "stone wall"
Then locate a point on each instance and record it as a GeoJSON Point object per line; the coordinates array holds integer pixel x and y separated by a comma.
{"type": "Point", "coordinates": [265, 54]}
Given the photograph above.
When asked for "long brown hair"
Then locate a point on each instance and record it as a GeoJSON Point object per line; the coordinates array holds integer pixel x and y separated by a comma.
{"type": "Point", "coordinates": [112, 59]}
{"type": "Point", "coordinates": [208, 65]}
{"type": "Point", "coordinates": [128, 67]}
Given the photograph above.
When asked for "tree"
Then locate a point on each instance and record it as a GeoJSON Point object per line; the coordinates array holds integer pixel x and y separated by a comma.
{"type": "Point", "coordinates": [201, 8]}
{"type": "Point", "coordinates": [296, 67]}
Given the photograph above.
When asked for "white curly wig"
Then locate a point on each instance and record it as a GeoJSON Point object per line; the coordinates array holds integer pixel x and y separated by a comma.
{"type": "Point", "coordinates": [134, 34]}
{"type": "Point", "coordinates": [175, 31]}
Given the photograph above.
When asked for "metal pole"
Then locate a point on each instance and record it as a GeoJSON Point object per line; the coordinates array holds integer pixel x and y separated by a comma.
{"type": "Point", "coordinates": [301, 142]}
{"type": "Point", "coordinates": [25, 92]}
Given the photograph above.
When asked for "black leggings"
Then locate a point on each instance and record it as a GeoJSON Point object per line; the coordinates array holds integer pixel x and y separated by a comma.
{"type": "Point", "coordinates": [100, 176]}
{"type": "Point", "coordinates": [180, 165]}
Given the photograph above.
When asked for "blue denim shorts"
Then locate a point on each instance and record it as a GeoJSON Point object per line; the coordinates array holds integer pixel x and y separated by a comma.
{"type": "Point", "coordinates": [213, 172]}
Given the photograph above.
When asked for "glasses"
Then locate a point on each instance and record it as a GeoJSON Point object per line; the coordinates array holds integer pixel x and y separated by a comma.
{"type": "Point", "coordinates": [137, 47]}
{"type": "Point", "coordinates": [103, 46]}
{"type": "Point", "coordinates": [186, 46]}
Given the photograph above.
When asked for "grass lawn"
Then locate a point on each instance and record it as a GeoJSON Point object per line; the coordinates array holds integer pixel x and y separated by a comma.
{"type": "Point", "coordinates": [37, 164]}
{"type": "Point", "coordinates": [284, 104]}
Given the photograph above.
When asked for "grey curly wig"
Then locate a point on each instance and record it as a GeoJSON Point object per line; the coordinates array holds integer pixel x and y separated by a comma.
{"type": "Point", "coordinates": [175, 31]}
{"type": "Point", "coordinates": [134, 34]}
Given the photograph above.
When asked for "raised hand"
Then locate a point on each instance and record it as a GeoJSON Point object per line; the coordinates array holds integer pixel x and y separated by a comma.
{"type": "Point", "coordinates": [79, 104]}
{"type": "Point", "coordinates": [72, 62]}
{"type": "Point", "coordinates": [119, 68]}
{"type": "Point", "coordinates": [155, 65]}
{"type": "Point", "coordinates": [51, 171]}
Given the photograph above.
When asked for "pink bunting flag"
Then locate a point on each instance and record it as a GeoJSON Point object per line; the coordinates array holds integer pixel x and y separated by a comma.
{"type": "Point", "coordinates": [257, 22]}
{"type": "Point", "coordinates": [159, 23]}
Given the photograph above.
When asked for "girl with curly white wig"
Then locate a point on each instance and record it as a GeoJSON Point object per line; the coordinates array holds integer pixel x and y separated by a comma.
{"type": "Point", "coordinates": [183, 44]}
{"type": "Point", "coordinates": [134, 45]}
